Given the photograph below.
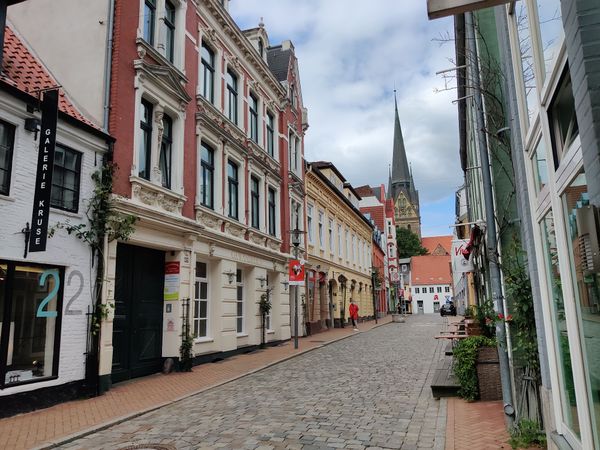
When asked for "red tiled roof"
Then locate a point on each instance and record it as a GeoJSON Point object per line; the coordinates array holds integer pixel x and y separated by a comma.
{"type": "Point", "coordinates": [377, 214]}
{"type": "Point", "coordinates": [389, 208]}
{"type": "Point", "coordinates": [430, 270]}
{"type": "Point", "coordinates": [25, 72]}
{"type": "Point", "coordinates": [432, 242]}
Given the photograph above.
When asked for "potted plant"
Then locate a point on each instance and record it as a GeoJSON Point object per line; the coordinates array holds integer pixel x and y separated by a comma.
{"type": "Point", "coordinates": [264, 306]}
{"type": "Point", "coordinates": [466, 354]}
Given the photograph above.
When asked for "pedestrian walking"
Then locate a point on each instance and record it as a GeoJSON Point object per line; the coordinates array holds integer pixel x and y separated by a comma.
{"type": "Point", "coordinates": [354, 314]}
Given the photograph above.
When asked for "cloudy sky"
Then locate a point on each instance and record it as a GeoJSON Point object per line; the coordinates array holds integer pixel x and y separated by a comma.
{"type": "Point", "coordinates": [351, 55]}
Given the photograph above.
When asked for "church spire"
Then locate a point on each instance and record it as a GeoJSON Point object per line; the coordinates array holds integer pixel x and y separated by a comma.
{"type": "Point", "coordinates": [400, 170]}
{"type": "Point", "coordinates": [389, 188]}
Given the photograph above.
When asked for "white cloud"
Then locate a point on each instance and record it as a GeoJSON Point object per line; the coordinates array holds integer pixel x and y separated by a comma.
{"type": "Point", "coordinates": [351, 54]}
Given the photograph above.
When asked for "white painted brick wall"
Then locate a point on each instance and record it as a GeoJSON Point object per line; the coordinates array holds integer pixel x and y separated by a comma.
{"type": "Point", "coordinates": [62, 249]}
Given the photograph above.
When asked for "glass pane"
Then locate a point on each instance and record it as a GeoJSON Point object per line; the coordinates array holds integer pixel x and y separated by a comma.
{"type": "Point", "coordinates": [197, 329]}
{"type": "Point", "coordinates": [33, 324]}
{"type": "Point", "coordinates": [200, 270]}
{"type": "Point", "coordinates": [238, 276]}
{"type": "Point", "coordinates": [197, 290]}
{"type": "Point", "coordinates": [559, 323]}
{"type": "Point", "coordinates": [203, 291]}
{"type": "Point", "coordinates": [203, 309]}
{"type": "Point", "coordinates": [524, 31]}
{"type": "Point", "coordinates": [240, 309]}
{"type": "Point", "coordinates": [540, 166]}
{"type": "Point", "coordinates": [240, 325]}
{"type": "Point", "coordinates": [3, 281]}
{"type": "Point", "coordinates": [202, 328]}
{"type": "Point", "coordinates": [196, 309]}
{"type": "Point", "coordinates": [583, 252]}
{"type": "Point", "coordinates": [551, 31]}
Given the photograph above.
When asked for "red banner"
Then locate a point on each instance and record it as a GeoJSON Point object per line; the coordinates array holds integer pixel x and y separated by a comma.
{"type": "Point", "coordinates": [296, 272]}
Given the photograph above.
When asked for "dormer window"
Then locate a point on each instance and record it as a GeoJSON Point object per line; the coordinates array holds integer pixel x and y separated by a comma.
{"type": "Point", "coordinates": [261, 48]}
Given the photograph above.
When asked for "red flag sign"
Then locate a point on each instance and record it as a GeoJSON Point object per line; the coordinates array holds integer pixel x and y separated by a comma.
{"type": "Point", "coordinates": [296, 272]}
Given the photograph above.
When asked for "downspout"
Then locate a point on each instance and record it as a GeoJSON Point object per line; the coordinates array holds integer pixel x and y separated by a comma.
{"type": "Point", "coordinates": [491, 238]}
{"type": "Point", "coordinates": [108, 63]}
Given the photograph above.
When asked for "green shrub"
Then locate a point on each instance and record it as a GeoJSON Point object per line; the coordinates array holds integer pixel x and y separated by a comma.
{"type": "Point", "coordinates": [465, 356]}
{"type": "Point", "coordinates": [526, 434]}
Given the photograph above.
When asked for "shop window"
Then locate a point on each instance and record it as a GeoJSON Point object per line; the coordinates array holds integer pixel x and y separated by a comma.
{"type": "Point", "coordinates": [65, 179]}
{"type": "Point", "coordinates": [7, 140]}
{"type": "Point", "coordinates": [207, 162]}
{"type": "Point", "coordinates": [584, 254]}
{"type": "Point", "coordinates": [239, 278]}
{"type": "Point", "coordinates": [201, 301]}
{"type": "Point", "coordinates": [559, 324]}
{"type": "Point", "coordinates": [30, 317]}
{"type": "Point", "coordinates": [563, 120]}
{"type": "Point", "coordinates": [272, 212]}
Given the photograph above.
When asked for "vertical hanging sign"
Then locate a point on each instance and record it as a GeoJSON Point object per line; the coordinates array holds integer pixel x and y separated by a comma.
{"type": "Point", "coordinates": [43, 179]}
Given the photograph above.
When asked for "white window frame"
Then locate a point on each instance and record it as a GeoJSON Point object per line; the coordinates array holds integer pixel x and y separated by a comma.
{"type": "Point", "coordinates": [331, 238]}
{"type": "Point", "coordinates": [238, 301]}
{"type": "Point", "coordinates": [321, 233]}
{"type": "Point", "coordinates": [198, 301]}
{"type": "Point", "coordinates": [309, 223]}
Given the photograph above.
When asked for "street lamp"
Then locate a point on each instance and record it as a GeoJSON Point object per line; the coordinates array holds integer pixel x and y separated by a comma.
{"type": "Point", "coordinates": [373, 281]}
{"type": "Point", "coordinates": [296, 233]}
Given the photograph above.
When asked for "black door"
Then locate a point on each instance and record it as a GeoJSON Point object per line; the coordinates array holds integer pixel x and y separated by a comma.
{"type": "Point", "coordinates": [137, 327]}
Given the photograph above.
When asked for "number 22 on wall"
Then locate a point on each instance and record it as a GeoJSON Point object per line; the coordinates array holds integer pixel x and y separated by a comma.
{"type": "Point", "coordinates": [52, 294]}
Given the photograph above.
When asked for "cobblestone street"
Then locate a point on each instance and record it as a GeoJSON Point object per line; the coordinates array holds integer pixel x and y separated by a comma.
{"type": "Point", "coordinates": [367, 391]}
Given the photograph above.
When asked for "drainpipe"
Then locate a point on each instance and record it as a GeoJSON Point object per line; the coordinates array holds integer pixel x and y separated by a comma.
{"type": "Point", "coordinates": [108, 62]}
{"type": "Point", "coordinates": [491, 238]}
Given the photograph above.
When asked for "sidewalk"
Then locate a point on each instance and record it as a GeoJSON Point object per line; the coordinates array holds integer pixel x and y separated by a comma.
{"type": "Point", "coordinates": [475, 425]}
{"type": "Point", "coordinates": [53, 425]}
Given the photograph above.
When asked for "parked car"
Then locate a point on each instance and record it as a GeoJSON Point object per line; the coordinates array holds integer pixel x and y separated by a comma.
{"type": "Point", "coordinates": [448, 309]}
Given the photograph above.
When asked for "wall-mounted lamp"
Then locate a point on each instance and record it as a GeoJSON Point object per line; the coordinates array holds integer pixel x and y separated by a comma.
{"type": "Point", "coordinates": [231, 275]}
{"type": "Point", "coordinates": [262, 280]}
{"type": "Point", "coordinates": [285, 285]}
{"type": "Point", "coordinates": [33, 124]}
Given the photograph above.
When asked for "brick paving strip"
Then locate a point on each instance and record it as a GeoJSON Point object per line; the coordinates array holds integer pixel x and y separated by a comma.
{"type": "Point", "coordinates": [61, 423]}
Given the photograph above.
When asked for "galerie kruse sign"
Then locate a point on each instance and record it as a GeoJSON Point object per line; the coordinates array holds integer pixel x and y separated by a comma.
{"type": "Point", "coordinates": [43, 179]}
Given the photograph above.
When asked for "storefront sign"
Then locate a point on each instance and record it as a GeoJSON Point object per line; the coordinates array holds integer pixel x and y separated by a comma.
{"type": "Point", "coordinates": [459, 263]}
{"type": "Point", "coordinates": [296, 272]}
{"type": "Point", "coordinates": [171, 281]}
{"type": "Point", "coordinates": [443, 8]}
{"type": "Point", "coordinates": [45, 167]}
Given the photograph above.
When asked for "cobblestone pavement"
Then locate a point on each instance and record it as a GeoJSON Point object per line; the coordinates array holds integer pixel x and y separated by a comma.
{"type": "Point", "coordinates": [367, 391]}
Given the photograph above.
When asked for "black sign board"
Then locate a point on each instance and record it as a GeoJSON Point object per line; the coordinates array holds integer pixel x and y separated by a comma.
{"type": "Point", "coordinates": [43, 179]}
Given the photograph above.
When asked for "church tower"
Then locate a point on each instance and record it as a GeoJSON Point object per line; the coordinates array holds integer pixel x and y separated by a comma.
{"type": "Point", "coordinates": [401, 187]}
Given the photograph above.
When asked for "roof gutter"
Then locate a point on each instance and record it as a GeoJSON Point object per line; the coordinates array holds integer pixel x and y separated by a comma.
{"type": "Point", "coordinates": [108, 63]}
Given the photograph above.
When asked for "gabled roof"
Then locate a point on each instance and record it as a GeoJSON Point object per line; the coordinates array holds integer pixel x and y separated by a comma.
{"type": "Point", "coordinates": [25, 72]}
{"type": "Point", "coordinates": [428, 269]}
{"type": "Point", "coordinates": [433, 244]}
{"type": "Point", "coordinates": [279, 62]}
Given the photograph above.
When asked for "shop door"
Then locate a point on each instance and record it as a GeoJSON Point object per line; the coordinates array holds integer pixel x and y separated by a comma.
{"type": "Point", "coordinates": [137, 327]}
{"type": "Point", "coordinates": [420, 306]}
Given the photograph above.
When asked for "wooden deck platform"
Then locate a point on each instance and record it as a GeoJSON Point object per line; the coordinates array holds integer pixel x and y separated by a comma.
{"type": "Point", "coordinates": [444, 384]}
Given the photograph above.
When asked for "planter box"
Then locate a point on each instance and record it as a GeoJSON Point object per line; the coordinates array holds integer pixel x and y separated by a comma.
{"type": "Point", "coordinates": [399, 318]}
{"type": "Point", "coordinates": [488, 374]}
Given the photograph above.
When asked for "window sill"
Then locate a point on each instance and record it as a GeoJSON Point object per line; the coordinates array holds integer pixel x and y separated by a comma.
{"type": "Point", "coordinates": [204, 340]}
{"type": "Point", "coordinates": [270, 331]}
{"type": "Point", "coordinates": [62, 212]}
{"type": "Point", "coordinates": [242, 335]}
{"type": "Point", "coordinates": [7, 198]}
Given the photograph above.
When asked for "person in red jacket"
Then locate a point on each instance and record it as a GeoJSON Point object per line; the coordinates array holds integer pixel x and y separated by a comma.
{"type": "Point", "coordinates": [354, 314]}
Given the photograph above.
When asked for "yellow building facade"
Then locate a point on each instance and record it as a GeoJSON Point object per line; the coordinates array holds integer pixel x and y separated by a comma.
{"type": "Point", "coordinates": [339, 243]}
